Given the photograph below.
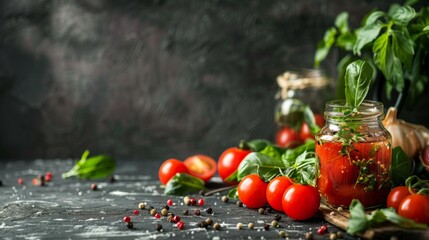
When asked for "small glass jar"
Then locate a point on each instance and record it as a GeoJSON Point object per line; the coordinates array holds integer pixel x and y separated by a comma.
{"type": "Point", "coordinates": [354, 153]}
{"type": "Point", "coordinates": [298, 89]}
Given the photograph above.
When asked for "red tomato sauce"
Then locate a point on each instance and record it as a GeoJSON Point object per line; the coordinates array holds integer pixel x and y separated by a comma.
{"type": "Point", "coordinates": [360, 171]}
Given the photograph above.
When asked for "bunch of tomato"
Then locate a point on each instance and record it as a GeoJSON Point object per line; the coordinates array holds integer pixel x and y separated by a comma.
{"type": "Point", "coordinates": [289, 137]}
{"type": "Point", "coordinates": [298, 201]}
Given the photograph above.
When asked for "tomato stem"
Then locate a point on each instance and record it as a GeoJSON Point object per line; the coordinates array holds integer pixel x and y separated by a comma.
{"type": "Point", "coordinates": [243, 145]}
{"type": "Point", "coordinates": [222, 189]}
{"type": "Point", "coordinates": [421, 186]}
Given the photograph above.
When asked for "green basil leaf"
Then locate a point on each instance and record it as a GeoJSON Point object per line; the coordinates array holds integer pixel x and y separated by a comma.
{"type": "Point", "coordinates": [397, 79]}
{"type": "Point", "coordinates": [255, 162]}
{"type": "Point", "coordinates": [232, 177]}
{"type": "Point", "coordinates": [324, 46]}
{"type": "Point", "coordinates": [357, 79]}
{"type": "Point", "coordinates": [341, 69]}
{"type": "Point", "coordinates": [290, 156]}
{"type": "Point", "coordinates": [346, 41]}
{"type": "Point", "coordinates": [402, 166]}
{"type": "Point", "coordinates": [383, 55]}
{"type": "Point", "coordinates": [366, 35]}
{"type": "Point", "coordinates": [233, 194]}
{"type": "Point", "coordinates": [373, 17]}
{"type": "Point", "coordinates": [310, 120]}
{"type": "Point", "coordinates": [341, 22]}
{"type": "Point", "coordinates": [273, 152]}
{"type": "Point", "coordinates": [258, 145]}
{"type": "Point", "coordinates": [400, 221]}
{"type": "Point", "coordinates": [95, 167]}
{"type": "Point", "coordinates": [403, 46]}
{"type": "Point", "coordinates": [358, 221]}
{"type": "Point", "coordinates": [426, 28]}
{"type": "Point", "coordinates": [402, 15]}
{"type": "Point", "coordinates": [182, 184]}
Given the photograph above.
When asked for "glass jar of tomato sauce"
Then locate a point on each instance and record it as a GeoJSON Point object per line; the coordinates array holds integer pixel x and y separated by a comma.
{"type": "Point", "coordinates": [354, 152]}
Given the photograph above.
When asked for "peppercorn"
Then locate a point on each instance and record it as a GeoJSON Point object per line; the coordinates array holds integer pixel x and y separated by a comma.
{"type": "Point", "coordinates": [130, 224]}
{"type": "Point", "coordinates": [1, 183]}
{"type": "Point", "coordinates": [42, 180]}
{"type": "Point", "coordinates": [225, 199]}
{"type": "Point", "coordinates": [332, 236]}
{"type": "Point", "coordinates": [142, 205]}
{"type": "Point", "coordinates": [209, 210]}
{"type": "Point", "coordinates": [274, 223]}
{"type": "Point", "coordinates": [112, 179]}
{"type": "Point", "coordinates": [180, 225]}
{"type": "Point", "coordinates": [266, 227]}
{"type": "Point", "coordinates": [322, 230]}
{"type": "Point", "coordinates": [186, 200]}
{"type": "Point", "coordinates": [94, 187]}
{"type": "Point", "coordinates": [340, 235]}
{"type": "Point", "coordinates": [170, 218]}
{"type": "Point", "coordinates": [216, 226]}
{"type": "Point", "coordinates": [209, 221]}
{"type": "Point", "coordinates": [197, 212]}
{"type": "Point", "coordinates": [176, 219]}
{"type": "Point", "coordinates": [136, 212]}
{"type": "Point", "coordinates": [192, 201]}
{"type": "Point", "coordinates": [185, 212]}
{"type": "Point", "coordinates": [239, 226]}
{"type": "Point", "coordinates": [164, 212]}
{"type": "Point", "coordinates": [153, 212]}
{"type": "Point", "coordinates": [308, 236]}
{"type": "Point", "coordinates": [167, 207]}
{"type": "Point", "coordinates": [158, 227]}
{"type": "Point", "coordinates": [201, 201]}
{"type": "Point", "coordinates": [340, 209]}
{"type": "Point", "coordinates": [251, 226]}
{"type": "Point", "coordinates": [239, 204]}
{"type": "Point", "coordinates": [277, 217]}
{"type": "Point", "coordinates": [150, 208]}
{"type": "Point", "coordinates": [170, 202]}
{"type": "Point", "coordinates": [127, 219]}
{"type": "Point", "coordinates": [202, 224]}
{"type": "Point", "coordinates": [261, 210]}
{"type": "Point", "coordinates": [268, 210]}
{"type": "Point", "coordinates": [282, 234]}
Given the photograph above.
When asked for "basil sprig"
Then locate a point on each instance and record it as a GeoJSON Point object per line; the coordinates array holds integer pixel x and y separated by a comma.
{"type": "Point", "coordinates": [95, 167]}
{"type": "Point", "coordinates": [360, 221]}
{"type": "Point", "coordinates": [357, 80]}
{"type": "Point", "coordinates": [182, 184]}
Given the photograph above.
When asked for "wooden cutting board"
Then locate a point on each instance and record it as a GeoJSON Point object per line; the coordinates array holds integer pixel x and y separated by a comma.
{"type": "Point", "coordinates": [340, 219]}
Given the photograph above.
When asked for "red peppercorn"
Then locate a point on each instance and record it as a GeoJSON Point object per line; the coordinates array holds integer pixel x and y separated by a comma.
{"type": "Point", "coordinates": [201, 201]}
{"type": "Point", "coordinates": [181, 225]}
{"type": "Point", "coordinates": [169, 202]}
{"type": "Point", "coordinates": [157, 215]}
{"type": "Point", "coordinates": [48, 176]}
{"type": "Point", "coordinates": [176, 219]}
{"type": "Point", "coordinates": [127, 219]}
{"type": "Point", "coordinates": [322, 230]}
{"type": "Point", "coordinates": [136, 212]}
{"type": "Point", "coordinates": [20, 181]}
{"type": "Point", "coordinates": [192, 201]}
{"type": "Point", "coordinates": [93, 187]}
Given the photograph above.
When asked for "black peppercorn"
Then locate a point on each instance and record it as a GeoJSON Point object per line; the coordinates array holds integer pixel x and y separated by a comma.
{"type": "Point", "coordinates": [266, 227]}
{"type": "Point", "coordinates": [197, 212]}
{"type": "Point", "coordinates": [158, 227]}
{"type": "Point", "coordinates": [167, 207]}
{"type": "Point", "coordinates": [185, 212]}
{"type": "Point", "coordinates": [202, 224]}
{"type": "Point", "coordinates": [268, 210]}
{"type": "Point", "coordinates": [130, 224]}
{"type": "Point", "coordinates": [277, 217]}
{"type": "Point", "coordinates": [42, 180]}
{"type": "Point", "coordinates": [239, 204]}
{"type": "Point", "coordinates": [209, 221]}
{"type": "Point", "coordinates": [209, 210]}
{"type": "Point", "coordinates": [112, 179]}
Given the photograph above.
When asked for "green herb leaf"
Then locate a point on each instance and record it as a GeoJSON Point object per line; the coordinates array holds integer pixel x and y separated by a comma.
{"type": "Point", "coordinates": [341, 22]}
{"type": "Point", "coordinates": [402, 166]}
{"type": "Point", "coordinates": [360, 221]}
{"type": "Point", "coordinates": [182, 184]}
{"type": "Point", "coordinates": [366, 35]}
{"type": "Point", "coordinates": [233, 194]}
{"type": "Point", "coordinates": [259, 163]}
{"type": "Point", "coordinates": [290, 156]}
{"type": "Point", "coordinates": [273, 152]}
{"type": "Point", "coordinates": [258, 145]}
{"type": "Point", "coordinates": [403, 46]}
{"type": "Point", "coordinates": [402, 14]}
{"type": "Point", "coordinates": [426, 28]}
{"type": "Point", "coordinates": [232, 177]}
{"type": "Point", "coordinates": [357, 80]}
{"type": "Point", "coordinates": [95, 167]}
{"type": "Point", "coordinates": [324, 46]}
{"type": "Point", "coordinates": [373, 17]}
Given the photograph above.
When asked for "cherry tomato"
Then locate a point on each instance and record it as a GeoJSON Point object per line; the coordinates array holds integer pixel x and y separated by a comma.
{"type": "Point", "coordinates": [320, 120]}
{"type": "Point", "coordinates": [287, 137]}
{"type": "Point", "coordinates": [416, 207]}
{"type": "Point", "coordinates": [201, 166]}
{"type": "Point", "coordinates": [275, 191]}
{"type": "Point", "coordinates": [396, 195]}
{"type": "Point", "coordinates": [251, 191]}
{"type": "Point", "coordinates": [301, 202]}
{"type": "Point", "coordinates": [169, 168]}
{"type": "Point", "coordinates": [305, 132]}
{"type": "Point", "coordinates": [229, 160]}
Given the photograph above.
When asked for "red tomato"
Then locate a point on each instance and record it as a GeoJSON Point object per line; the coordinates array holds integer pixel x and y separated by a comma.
{"type": "Point", "coordinates": [287, 137]}
{"type": "Point", "coordinates": [396, 195]}
{"type": "Point", "coordinates": [169, 168]}
{"type": "Point", "coordinates": [301, 202]}
{"type": "Point", "coordinates": [251, 191]}
{"type": "Point", "coordinates": [416, 207]}
{"type": "Point", "coordinates": [275, 190]}
{"type": "Point", "coordinates": [229, 160]}
{"type": "Point", "coordinates": [320, 120]}
{"type": "Point", "coordinates": [305, 132]}
{"type": "Point", "coordinates": [201, 166]}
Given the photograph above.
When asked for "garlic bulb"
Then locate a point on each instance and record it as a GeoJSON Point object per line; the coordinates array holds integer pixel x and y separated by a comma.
{"type": "Point", "coordinates": [412, 138]}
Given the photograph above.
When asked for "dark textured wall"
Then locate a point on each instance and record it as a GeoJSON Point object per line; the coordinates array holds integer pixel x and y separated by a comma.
{"type": "Point", "coordinates": [150, 79]}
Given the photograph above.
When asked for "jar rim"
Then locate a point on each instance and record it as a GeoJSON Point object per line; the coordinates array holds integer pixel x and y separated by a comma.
{"type": "Point", "coordinates": [368, 109]}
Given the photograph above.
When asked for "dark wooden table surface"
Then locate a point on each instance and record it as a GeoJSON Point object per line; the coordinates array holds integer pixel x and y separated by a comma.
{"type": "Point", "coordinates": [69, 209]}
